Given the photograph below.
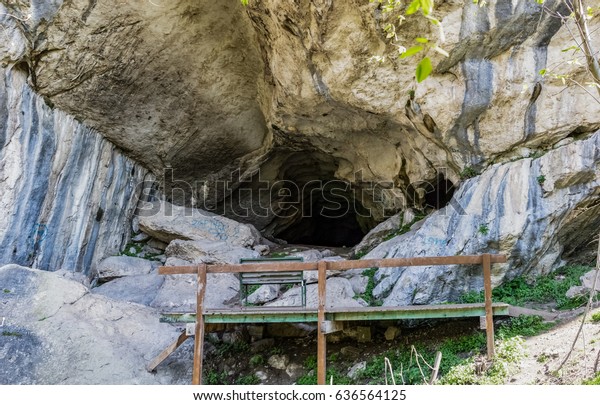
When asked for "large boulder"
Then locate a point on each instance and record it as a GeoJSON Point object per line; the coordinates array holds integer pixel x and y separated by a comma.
{"type": "Point", "coordinates": [121, 266]}
{"type": "Point", "coordinates": [139, 289]}
{"type": "Point", "coordinates": [339, 293]}
{"type": "Point", "coordinates": [178, 293]}
{"type": "Point", "coordinates": [206, 251]}
{"type": "Point", "coordinates": [56, 332]}
{"type": "Point", "coordinates": [167, 222]}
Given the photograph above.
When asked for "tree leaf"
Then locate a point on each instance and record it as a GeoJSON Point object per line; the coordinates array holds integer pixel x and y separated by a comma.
{"type": "Point", "coordinates": [543, 72]}
{"type": "Point", "coordinates": [424, 68]}
{"type": "Point", "coordinates": [427, 6]}
{"type": "Point", "coordinates": [411, 51]}
{"type": "Point", "coordinates": [422, 40]}
{"type": "Point", "coordinates": [413, 7]}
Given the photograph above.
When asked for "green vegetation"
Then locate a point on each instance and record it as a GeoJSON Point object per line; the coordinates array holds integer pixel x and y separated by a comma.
{"type": "Point", "coordinates": [523, 325]}
{"type": "Point", "coordinates": [537, 154]}
{"type": "Point", "coordinates": [593, 381]}
{"type": "Point", "coordinates": [541, 179]}
{"type": "Point", "coordinates": [6, 291]}
{"type": "Point", "coordinates": [483, 229]}
{"type": "Point", "coordinates": [276, 255]}
{"type": "Point", "coordinates": [310, 378]}
{"type": "Point", "coordinates": [509, 353]}
{"type": "Point", "coordinates": [228, 349]}
{"type": "Point", "coordinates": [468, 172]}
{"type": "Point", "coordinates": [405, 227]}
{"type": "Point", "coordinates": [463, 359]}
{"type": "Point", "coordinates": [257, 360]}
{"type": "Point", "coordinates": [361, 253]}
{"type": "Point", "coordinates": [544, 289]}
{"type": "Point", "coordinates": [311, 362]}
{"type": "Point", "coordinates": [136, 247]}
{"type": "Point", "coordinates": [250, 379]}
{"type": "Point", "coordinates": [276, 350]}
{"type": "Point", "coordinates": [213, 378]}
{"type": "Point", "coordinates": [14, 334]}
{"type": "Point", "coordinates": [596, 317]}
{"type": "Point", "coordinates": [368, 294]}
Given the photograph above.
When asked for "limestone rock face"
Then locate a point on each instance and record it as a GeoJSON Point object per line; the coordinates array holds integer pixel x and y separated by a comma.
{"type": "Point", "coordinates": [536, 211]}
{"type": "Point", "coordinates": [56, 332]}
{"type": "Point", "coordinates": [171, 82]}
{"type": "Point", "coordinates": [280, 91]}
{"type": "Point", "coordinates": [67, 195]}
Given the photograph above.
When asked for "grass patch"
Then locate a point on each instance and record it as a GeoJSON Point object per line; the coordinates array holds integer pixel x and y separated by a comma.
{"type": "Point", "coordinates": [277, 255]}
{"type": "Point", "coordinates": [405, 227]}
{"type": "Point", "coordinates": [483, 229]}
{"type": "Point", "coordinates": [596, 317]}
{"type": "Point", "coordinates": [257, 360]}
{"type": "Point", "coordinates": [509, 353]}
{"type": "Point", "coordinates": [214, 378]}
{"type": "Point", "coordinates": [544, 289]}
{"type": "Point", "coordinates": [6, 291]}
{"type": "Point", "coordinates": [13, 334]}
{"type": "Point", "coordinates": [132, 249]}
{"type": "Point", "coordinates": [541, 179]}
{"type": "Point", "coordinates": [523, 325]}
{"type": "Point", "coordinates": [228, 349]}
{"type": "Point", "coordinates": [468, 172]}
{"type": "Point", "coordinates": [250, 379]}
{"type": "Point", "coordinates": [593, 381]}
{"type": "Point", "coordinates": [368, 294]}
{"type": "Point", "coordinates": [361, 253]}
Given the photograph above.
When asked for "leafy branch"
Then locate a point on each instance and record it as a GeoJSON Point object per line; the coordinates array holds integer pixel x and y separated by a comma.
{"type": "Point", "coordinates": [398, 12]}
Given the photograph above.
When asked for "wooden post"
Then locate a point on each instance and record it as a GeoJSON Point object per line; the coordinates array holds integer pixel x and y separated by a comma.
{"type": "Point", "coordinates": [199, 337]}
{"type": "Point", "coordinates": [321, 337]}
{"type": "Point", "coordinates": [165, 353]}
{"type": "Point", "coordinates": [489, 311]}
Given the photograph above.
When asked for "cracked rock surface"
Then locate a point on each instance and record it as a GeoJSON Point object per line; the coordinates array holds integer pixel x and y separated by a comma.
{"type": "Point", "coordinates": [54, 331]}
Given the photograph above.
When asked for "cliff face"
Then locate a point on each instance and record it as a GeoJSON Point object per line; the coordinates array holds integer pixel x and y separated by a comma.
{"type": "Point", "coordinates": [288, 89]}
{"type": "Point", "coordinates": [286, 93]}
{"type": "Point", "coordinates": [68, 194]}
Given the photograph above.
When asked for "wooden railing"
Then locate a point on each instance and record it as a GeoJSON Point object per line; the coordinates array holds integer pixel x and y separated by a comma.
{"type": "Point", "coordinates": [201, 270]}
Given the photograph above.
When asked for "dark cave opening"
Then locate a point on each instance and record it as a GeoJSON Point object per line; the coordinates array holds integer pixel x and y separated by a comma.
{"type": "Point", "coordinates": [328, 222]}
{"type": "Point", "coordinates": [434, 194]}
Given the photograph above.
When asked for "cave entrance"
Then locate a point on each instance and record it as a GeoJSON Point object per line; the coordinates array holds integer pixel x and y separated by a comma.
{"type": "Point", "coordinates": [328, 219]}
{"type": "Point", "coordinates": [320, 210]}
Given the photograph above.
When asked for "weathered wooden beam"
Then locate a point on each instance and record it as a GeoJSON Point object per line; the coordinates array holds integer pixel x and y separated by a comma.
{"type": "Point", "coordinates": [199, 336]}
{"type": "Point", "coordinates": [338, 265]}
{"type": "Point", "coordinates": [167, 352]}
{"type": "Point", "coordinates": [412, 261]}
{"type": "Point", "coordinates": [489, 311]}
{"type": "Point", "coordinates": [321, 338]}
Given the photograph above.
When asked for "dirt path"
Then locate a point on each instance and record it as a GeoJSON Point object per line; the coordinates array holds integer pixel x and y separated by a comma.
{"type": "Point", "coordinates": [545, 353]}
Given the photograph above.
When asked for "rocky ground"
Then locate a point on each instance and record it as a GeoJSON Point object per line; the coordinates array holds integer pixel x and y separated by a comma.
{"type": "Point", "coordinates": [547, 351]}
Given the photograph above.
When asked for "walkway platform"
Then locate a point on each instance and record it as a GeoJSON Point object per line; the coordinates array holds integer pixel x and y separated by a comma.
{"type": "Point", "coordinates": [286, 314]}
